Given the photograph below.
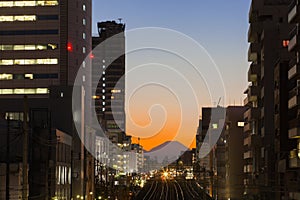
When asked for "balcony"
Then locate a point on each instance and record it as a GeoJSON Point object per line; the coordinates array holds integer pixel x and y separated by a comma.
{"type": "Point", "coordinates": [294, 159]}
{"type": "Point", "coordinates": [247, 102]}
{"type": "Point", "coordinates": [254, 31]}
{"type": "Point", "coordinates": [294, 100]}
{"type": "Point", "coordinates": [293, 15]}
{"type": "Point", "coordinates": [253, 72]}
{"type": "Point", "coordinates": [248, 168]}
{"type": "Point", "coordinates": [294, 39]}
{"type": "Point", "coordinates": [252, 140]}
{"type": "Point", "coordinates": [253, 52]}
{"type": "Point", "coordinates": [252, 113]}
{"type": "Point", "coordinates": [294, 163]}
{"type": "Point", "coordinates": [294, 70]}
{"type": "Point", "coordinates": [247, 127]}
{"type": "Point", "coordinates": [248, 155]}
{"type": "Point", "coordinates": [294, 133]}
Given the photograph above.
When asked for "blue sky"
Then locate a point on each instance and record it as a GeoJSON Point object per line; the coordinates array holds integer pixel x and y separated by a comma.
{"type": "Point", "coordinates": [219, 26]}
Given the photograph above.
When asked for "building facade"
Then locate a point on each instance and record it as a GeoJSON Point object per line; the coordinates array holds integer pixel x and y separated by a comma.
{"type": "Point", "coordinates": [43, 44]}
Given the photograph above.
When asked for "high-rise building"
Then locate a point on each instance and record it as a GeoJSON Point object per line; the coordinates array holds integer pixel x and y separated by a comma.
{"type": "Point", "coordinates": [108, 78]}
{"type": "Point", "coordinates": [43, 44]}
{"type": "Point", "coordinates": [293, 99]}
{"type": "Point", "coordinates": [234, 146]}
{"type": "Point", "coordinates": [266, 144]}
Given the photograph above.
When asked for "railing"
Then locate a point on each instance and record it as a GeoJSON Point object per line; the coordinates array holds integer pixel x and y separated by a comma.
{"type": "Point", "coordinates": [293, 4]}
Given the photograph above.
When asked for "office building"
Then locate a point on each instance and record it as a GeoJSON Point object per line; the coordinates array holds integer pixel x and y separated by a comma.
{"type": "Point", "coordinates": [43, 44]}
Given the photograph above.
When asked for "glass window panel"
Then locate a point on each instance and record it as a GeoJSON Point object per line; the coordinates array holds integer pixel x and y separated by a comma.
{"type": "Point", "coordinates": [30, 47]}
{"type": "Point", "coordinates": [42, 90]}
{"type": "Point", "coordinates": [29, 91]}
{"type": "Point", "coordinates": [18, 76]}
{"type": "Point", "coordinates": [41, 47]}
{"type": "Point", "coordinates": [7, 47]}
{"type": "Point", "coordinates": [19, 47]}
{"type": "Point", "coordinates": [6, 76]}
{"type": "Point", "coordinates": [29, 18]}
{"type": "Point", "coordinates": [6, 3]}
{"type": "Point", "coordinates": [52, 46]}
{"type": "Point", "coordinates": [6, 18]}
{"type": "Point", "coordinates": [19, 91]}
{"type": "Point", "coordinates": [6, 91]}
{"type": "Point", "coordinates": [29, 61]}
{"type": "Point", "coordinates": [6, 62]}
{"type": "Point", "coordinates": [28, 76]}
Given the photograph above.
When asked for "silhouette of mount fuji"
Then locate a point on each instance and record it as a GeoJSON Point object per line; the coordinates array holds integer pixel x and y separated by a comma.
{"type": "Point", "coordinates": [166, 152]}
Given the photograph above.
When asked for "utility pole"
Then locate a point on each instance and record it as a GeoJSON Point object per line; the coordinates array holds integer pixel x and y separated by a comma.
{"type": "Point", "coordinates": [25, 152]}
{"type": "Point", "coordinates": [7, 158]}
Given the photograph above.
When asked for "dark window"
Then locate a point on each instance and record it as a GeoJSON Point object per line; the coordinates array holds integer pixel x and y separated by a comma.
{"type": "Point", "coordinates": [30, 32]}
{"type": "Point", "coordinates": [47, 17]}
{"type": "Point", "coordinates": [44, 76]}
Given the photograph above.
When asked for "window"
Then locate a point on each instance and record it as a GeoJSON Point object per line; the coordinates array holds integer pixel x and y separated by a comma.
{"type": "Point", "coordinates": [241, 124]}
{"type": "Point", "coordinates": [83, 50]}
{"type": "Point", "coordinates": [115, 91]}
{"type": "Point", "coordinates": [19, 116]}
{"type": "Point", "coordinates": [30, 32]}
{"type": "Point", "coordinates": [83, 7]}
{"type": "Point", "coordinates": [6, 76]}
{"type": "Point", "coordinates": [41, 61]}
{"type": "Point", "coordinates": [83, 21]}
{"type": "Point", "coordinates": [25, 91]}
{"type": "Point", "coordinates": [28, 3]}
{"type": "Point", "coordinates": [214, 126]}
{"type": "Point", "coordinates": [27, 47]}
{"type": "Point", "coordinates": [83, 36]}
{"type": "Point", "coordinates": [28, 76]}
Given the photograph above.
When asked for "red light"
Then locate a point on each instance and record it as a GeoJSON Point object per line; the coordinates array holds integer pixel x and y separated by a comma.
{"type": "Point", "coordinates": [285, 43]}
{"type": "Point", "coordinates": [92, 56]}
{"type": "Point", "coordinates": [70, 47]}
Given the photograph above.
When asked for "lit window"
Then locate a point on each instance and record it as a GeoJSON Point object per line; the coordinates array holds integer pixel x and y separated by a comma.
{"type": "Point", "coordinates": [38, 47]}
{"type": "Point", "coordinates": [83, 64]}
{"type": "Point", "coordinates": [103, 91]}
{"type": "Point", "coordinates": [83, 50]}
{"type": "Point", "coordinates": [103, 97]}
{"type": "Point", "coordinates": [6, 18]}
{"type": "Point", "coordinates": [241, 124]}
{"type": "Point", "coordinates": [42, 61]}
{"type": "Point", "coordinates": [6, 62]}
{"type": "Point", "coordinates": [115, 91]}
{"type": "Point", "coordinates": [83, 7]}
{"type": "Point", "coordinates": [103, 84]}
{"type": "Point", "coordinates": [103, 109]}
{"type": "Point", "coordinates": [28, 76]}
{"type": "Point", "coordinates": [83, 21]}
{"type": "Point", "coordinates": [83, 36]}
{"type": "Point", "coordinates": [103, 66]}
{"type": "Point", "coordinates": [6, 76]}
{"type": "Point", "coordinates": [25, 91]}
{"type": "Point", "coordinates": [28, 47]}
{"type": "Point", "coordinates": [6, 47]}
{"type": "Point", "coordinates": [83, 78]}
{"type": "Point", "coordinates": [215, 126]}
{"type": "Point", "coordinates": [96, 97]}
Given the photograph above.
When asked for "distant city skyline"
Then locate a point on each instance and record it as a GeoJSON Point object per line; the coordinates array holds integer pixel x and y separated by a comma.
{"type": "Point", "coordinates": [220, 27]}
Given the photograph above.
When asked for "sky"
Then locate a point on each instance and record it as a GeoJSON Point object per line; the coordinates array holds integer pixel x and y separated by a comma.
{"type": "Point", "coordinates": [219, 26]}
